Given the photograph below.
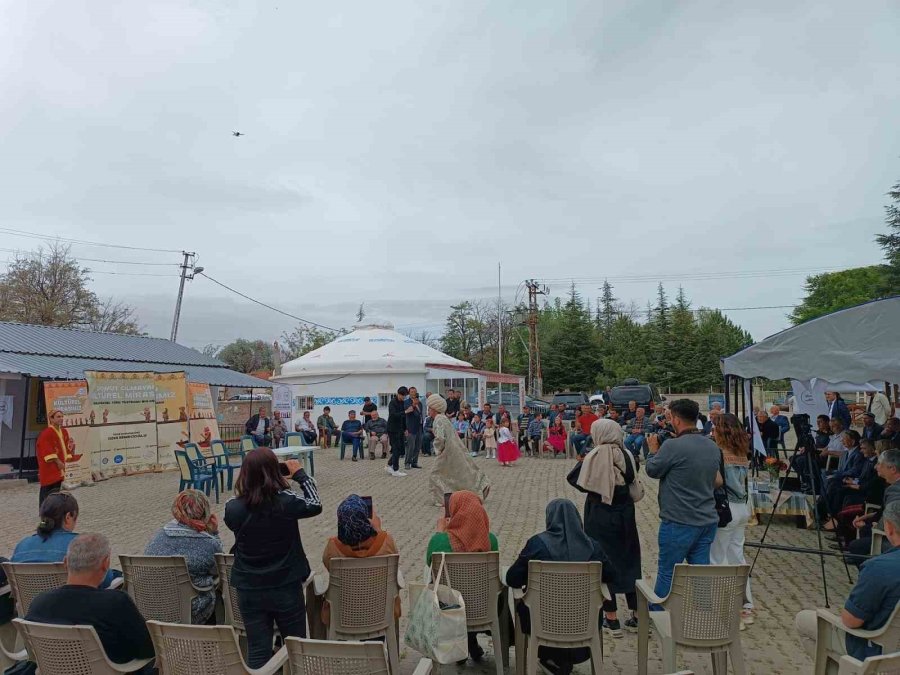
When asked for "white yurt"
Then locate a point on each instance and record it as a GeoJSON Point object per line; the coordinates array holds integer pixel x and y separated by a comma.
{"type": "Point", "coordinates": [374, 360]}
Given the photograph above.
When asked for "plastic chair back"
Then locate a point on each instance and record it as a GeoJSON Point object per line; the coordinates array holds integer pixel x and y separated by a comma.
{"type": "Point", "coordinates": [224, 563]}
{"type": "Point", "coordinates": [160, 586]}
{"type": "Point", "coordinates": [248, 443]}
{"type": "Point", "coordinates": [197, 650]}
{"type": "Point", "coordinates": [183, 465]}
{"type": "Point", "coordinates": [218, 448]}
{"type": "Point", "coordinates": [564, 599]}
{"type": "Point", "coordinates": [361, 593]}
{"type": "Point", "coordinates": [705, 603]}
{"type": "Point", "coordinates": [477, 577]}
{"type": "Point", "coordinates": [325, 657]}
{"type": "Point", "coordinates": [294, 439]}
{"type": "Point", "coordinates": [193, 452]}
{"type": "Point", "coordinates": [28, 580]}
{"type": "Point", "coordinates": [67, 650]}
{"type": "Point", "coordinates": [874, 665]}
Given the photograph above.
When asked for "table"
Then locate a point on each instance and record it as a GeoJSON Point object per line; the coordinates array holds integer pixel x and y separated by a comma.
{"type": "Point", "coordinates": [299, 452]}
{"type": "Point", "coordinates": [762, 497]}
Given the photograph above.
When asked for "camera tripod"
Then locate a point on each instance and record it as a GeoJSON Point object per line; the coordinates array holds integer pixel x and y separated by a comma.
{"type": "Point", "coordinates": [810, 454]}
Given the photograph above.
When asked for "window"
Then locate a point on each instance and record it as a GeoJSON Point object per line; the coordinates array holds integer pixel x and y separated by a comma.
{"type": "Point", "coordinates": [305, 402]}
{"type": "Point", "coordinates": [384, 400]}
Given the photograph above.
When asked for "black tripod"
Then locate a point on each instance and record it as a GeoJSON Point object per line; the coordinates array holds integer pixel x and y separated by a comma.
{"type": "Point", "coordinates": [814, 478]}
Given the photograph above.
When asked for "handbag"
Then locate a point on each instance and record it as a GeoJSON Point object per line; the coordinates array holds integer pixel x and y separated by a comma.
{"type": "Point", "coordinates": [437, 622]}
{"type": "Point", "coordinates": [723, 507]}
{"type": "Point", "coordinates": [635, 488]}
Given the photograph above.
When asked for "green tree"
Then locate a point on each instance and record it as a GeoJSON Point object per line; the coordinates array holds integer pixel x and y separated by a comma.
{"type": "Point", "coordinates": [247, 356]}
{"type": "Point", "coordinates": [304, 339]}
{"type": "Point", "coordinates": [571, 357]}
{"type": "Point", "coordinates": [683, 345]}
{"type": "Point", "coordinates": [607, 310]}
{"type": "Point", "coordinates": [459, 338]}
{"type": "Point", "coordinates": [890, 243]}
{"type": "Point", "coordinates": [831, 291]}
{"type": "Point", "coordinates": [717, 337]}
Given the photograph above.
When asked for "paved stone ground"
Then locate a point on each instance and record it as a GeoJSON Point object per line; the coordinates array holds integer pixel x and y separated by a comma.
{"type": "Point", "coordinates": [130, 509]}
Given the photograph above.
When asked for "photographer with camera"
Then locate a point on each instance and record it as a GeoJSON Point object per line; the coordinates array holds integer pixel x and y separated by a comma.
{"type": "Point", "coordinates": [270, 565]}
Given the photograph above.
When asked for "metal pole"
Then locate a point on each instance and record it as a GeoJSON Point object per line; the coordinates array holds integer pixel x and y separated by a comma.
{"type": "Point", "coordinates": [499, 326]}
{"type": "Point", "coordinates": [24, 424]}
{"type": "Point", "coordinates": [184, 269]}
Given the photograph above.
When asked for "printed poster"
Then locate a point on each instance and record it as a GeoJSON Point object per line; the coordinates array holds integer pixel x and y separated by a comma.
{"type": "Point", "coordinates": [203, 424]}
{"type": "Point", "coordinates": [281, 403]}
{"type": "Point", "coordinates": [71, 397]}
{"type": "Point", "coordinates": [125, 417]}
{"type": "Point", "coordinates": [172, 424]}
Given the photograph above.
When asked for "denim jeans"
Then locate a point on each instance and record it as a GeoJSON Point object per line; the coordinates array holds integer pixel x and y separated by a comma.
{"type": "Point", "coordinates": [353, 439]}
{"type": "Point", "coordinates": [578, 441]}
{"type": "Point", "coordinates": [635, 443]}
{"type": "Point", "coordinates": [678, 543]}
{"type": "Point", "coordinates": [262, 609]}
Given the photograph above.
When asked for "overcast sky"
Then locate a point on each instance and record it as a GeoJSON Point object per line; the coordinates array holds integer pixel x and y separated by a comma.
{"type": "Point", "coordinates": [395, 152]}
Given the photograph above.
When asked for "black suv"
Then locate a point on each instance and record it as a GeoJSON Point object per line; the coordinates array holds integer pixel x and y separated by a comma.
{"type": "Point", "coordinates": [645, 395]}
{"type": "Point", "coordinates": [569, 401]}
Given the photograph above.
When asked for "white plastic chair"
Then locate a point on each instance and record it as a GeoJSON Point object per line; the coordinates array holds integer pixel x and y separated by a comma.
{"type": "Point", "coordinates": [204, 650]}
{"type": "Point", "coordinates": [160, 586]}
{"type": "Point", "coordinates": [888, 637]}
{"type": "Point", "coordinates": [28, 580]}
{"type": "Point", "coordinates": [361, 593]}
{"type": "Point", "coordinates": [477, 577]}
{"type": "Point", "coordinates": [702, 613]}
{"type": "Point", "coordinates": [325, 657]}
{"type": "Point", "coordinates": [874, 665]}
{"type": "Point", "coordinates": [878, 539]}
{"type": "Point", "coordinates": [564, 601]}
{"type": "Point", "coordinates": [63, 650]}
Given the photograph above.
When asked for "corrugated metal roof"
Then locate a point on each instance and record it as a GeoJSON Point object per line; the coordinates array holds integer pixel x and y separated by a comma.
{"type": "Point", "coordinates": [20, 338]}
{"type": "Point", "coordinates": [71, 368]}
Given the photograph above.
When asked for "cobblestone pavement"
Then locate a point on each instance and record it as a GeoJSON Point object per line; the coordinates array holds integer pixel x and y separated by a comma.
{"type": "Point", "coordinates": [129, 509]}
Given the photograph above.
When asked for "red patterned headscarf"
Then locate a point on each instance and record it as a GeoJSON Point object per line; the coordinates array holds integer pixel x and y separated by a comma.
{"type": "Point", "coordinates": [191, 508]}
{"type": "Point", "coordinates": [469, 526]}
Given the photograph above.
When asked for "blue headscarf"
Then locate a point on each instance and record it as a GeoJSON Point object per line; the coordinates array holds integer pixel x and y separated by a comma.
{"type": "Point", "coordinates": [353, 521]}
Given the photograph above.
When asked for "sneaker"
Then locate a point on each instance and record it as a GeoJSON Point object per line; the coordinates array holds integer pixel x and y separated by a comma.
{"type": "Point", "coordinates": [747, 615]}
{"type": "Point", "coordinates": [631, 624]}
{"type": "Point", "coordinates": [613, 627]}
{"type": "Point", "coordinates": [389, 469]}
{"type": "Point", "coordinates": [354, 459]}
{"type": "Point", "coordinates": [398, 474]}
{"type": "Point", "coordinates": [473, 454]}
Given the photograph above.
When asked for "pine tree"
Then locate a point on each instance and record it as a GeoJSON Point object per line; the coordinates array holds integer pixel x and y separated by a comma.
{"type": "Point", "coordinates": [890, 243]}
{"type": "Point", "coordinates": [608, 309]}
{"type": "Point", "coordinates": [570, 354]}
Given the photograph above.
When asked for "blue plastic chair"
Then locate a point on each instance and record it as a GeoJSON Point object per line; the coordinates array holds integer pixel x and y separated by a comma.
{"type": "Point", "coordinates": [194, 476]}
{"type": "Point", "coordinates": [248, 443]}
{"type": "Point", "coordinates": [223, 460]}
{"type": "Point", "coordinates": [206, 465]}
{"type": "Point", "coordinates": [294, 439]}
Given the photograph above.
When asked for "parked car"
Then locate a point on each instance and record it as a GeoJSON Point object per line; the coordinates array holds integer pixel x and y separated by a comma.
{"type": "Point", "coordinates": [569, 401]}
{"type": "Point", "coordinates": [645, 395]}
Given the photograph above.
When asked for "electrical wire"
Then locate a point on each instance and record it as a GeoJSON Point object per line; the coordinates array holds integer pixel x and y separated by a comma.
{"type": "Point", "coordinates": [693, 276]}
{"type": "Point", "coordinates": [115, 262]}
{"type": "Point", "coordinates": [260, 302]}
{"type": "Point", "coordinates": [83, 242]}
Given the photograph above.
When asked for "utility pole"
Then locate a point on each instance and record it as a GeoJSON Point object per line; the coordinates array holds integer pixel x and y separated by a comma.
{"type": "Point", "coordinates": [499, 323]}
{"type": "Point", "coordinates": [535, 374]}
{"type": "Point", "coordinates": [188, 264]}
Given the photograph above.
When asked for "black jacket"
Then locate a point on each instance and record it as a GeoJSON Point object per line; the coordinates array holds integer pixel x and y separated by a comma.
{"type": "Point", "coordinates": [267, 549]}
{"type": "Point", "coordinates": [396, 416]}
{"type": "Point", "coordinates": [253, 422]}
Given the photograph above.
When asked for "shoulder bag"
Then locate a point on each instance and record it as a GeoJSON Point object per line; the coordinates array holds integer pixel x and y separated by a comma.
{"type": "Point", "coordinates": [723, 508]}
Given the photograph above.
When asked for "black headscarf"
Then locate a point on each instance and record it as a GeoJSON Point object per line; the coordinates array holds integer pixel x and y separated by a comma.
{"type": "Point", "coordinates": [565, 538]}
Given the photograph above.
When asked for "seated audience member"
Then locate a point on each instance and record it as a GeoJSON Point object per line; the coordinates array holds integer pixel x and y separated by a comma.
{"type": "Point", "coordinates": [775, 415]}
{"type": "Point", "coordinates": [556, 437]}
{"type": "Point", "coordinates": [870, 604]}
{"type": "Point", "coordinates": [535, 431]}
{"type": "Point", "coordinates": [358, 536]}
{"type": "Point", "coordinates": [769, 432]}
{"type": "Point", "coordinates": [376, 429]}
{"type": "Point", "coordinates": [81, 602]}
{"type": "Point", "coordinates": [467, 530]}
{"type": "Point", "coordinates": [307, 429]}
{"type": "Point", "coordinates": [835, 447]}
{"type": "Point", "coordinates": [871, 430]}
{"type": "Point", "coordinates": [486, 412]}
{"type": "Point", "coordinates": [327, 428]}
{"type": "Point", "coordinates": [868, 489]}
{"type": "Point", "coordinates": [636, 430]}
{"type": "Point", "coordinates": [631, 413]}
{"type": "Point", "coordinates": [554, 412]}
{"type": "Point", "coordinates": [279, 429]}
{"type": "Point", "coordinates": [849, 470]}
{"type": "Point", "coordinates": [890, 435]}
{"type": "Point", "coordinates": [461, 425]}
{"type": "Point", "coordinates": [260, 427]}
{"type": "Point", "coordinates": [476, 434]}
{"type": "Point", "coordinates": [352, 432]}
{"type": "Point", "coordinates": [194, 534]}
{"type": "Point", "coordinates": [55, 531]}
{"type": "Point", "coordinates": [582, 429]}
{"type": "Point", "coordinates": [523, 421]}
{"type": "Point", "coordinates": [888, 467]}
{"type": "Point", "coordinates": [823, 432]}
{"type": "Point", "coordinates": [613, 414]}
{"type": "Point", "coordinates": [563, 541]}
{"type": "Point", "coordinates": [501, 413]}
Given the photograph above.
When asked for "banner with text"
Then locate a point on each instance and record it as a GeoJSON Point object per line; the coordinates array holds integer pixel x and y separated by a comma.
{"type": "Point", "coordinates": [172, 430]}
{"type": "Point", "coordinates": [71, 398]}
{"type": "Point", "coordinates": [281, 403]}
{"type": "Point", "coordinates": [203, 424]}
{"type": "Point", "coordinates": [125, 416]}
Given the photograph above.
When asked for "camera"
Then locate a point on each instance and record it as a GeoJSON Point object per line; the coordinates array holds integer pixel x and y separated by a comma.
{"type": "Point", "coordinates": [801, 424]}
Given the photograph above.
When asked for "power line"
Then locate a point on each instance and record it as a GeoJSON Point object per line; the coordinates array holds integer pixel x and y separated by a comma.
{"type": "Point", "coordinates": [691, 276]}
{"type": "Point", "coordinates": [274, 309]}
{"type": "Point", "coordinates": [83, 242]}
{"type": "Point", "coordinates": [114, 262]}
{"type": "Point", "coordinates": [124, 274]}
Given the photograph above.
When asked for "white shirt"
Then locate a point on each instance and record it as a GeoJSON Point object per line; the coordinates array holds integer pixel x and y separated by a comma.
{"type": "Point", "coordinates": [880, 406]}
{"type": "Point", "coordinates": [261, 426]}
{"type": "Point", "coordinates": [305, 425]}
{"type": "Point", "coordinates": [503, 435]}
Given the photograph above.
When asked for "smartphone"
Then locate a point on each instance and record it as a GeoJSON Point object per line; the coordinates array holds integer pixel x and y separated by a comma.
{"type": "Point", "coordinates": [447, 504]}
{"type": "Point", "coordinates": [283, 470]}
{"type": "Point", "coordinates": [369, 508]}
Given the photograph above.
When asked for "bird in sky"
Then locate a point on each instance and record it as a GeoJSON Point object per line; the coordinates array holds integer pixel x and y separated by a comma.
{"type": "Point", "coordinates": [237, 133]}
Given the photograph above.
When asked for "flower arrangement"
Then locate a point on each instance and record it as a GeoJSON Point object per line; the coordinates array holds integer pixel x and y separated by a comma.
{"type": "Point", "coordinates": [774, 466]}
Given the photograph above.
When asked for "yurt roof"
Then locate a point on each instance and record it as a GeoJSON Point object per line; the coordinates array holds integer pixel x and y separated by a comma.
{"type": "Point", "coordinates": [371, 348]}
